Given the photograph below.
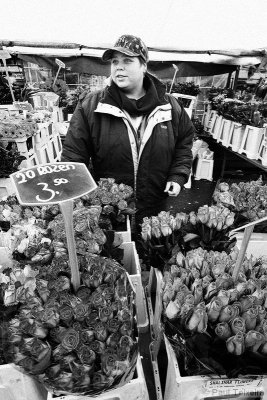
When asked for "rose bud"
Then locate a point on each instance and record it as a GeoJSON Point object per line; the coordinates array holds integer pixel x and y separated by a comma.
{"type": "Point", "coordinates": [50, 318]}
{"type": "Point", "coordinates": [98, 300]}
{"type": "Point", "coordinates": [101, 381]}
{"type": "Point", "coordinates": [206, 281]}
{"type": "Point", "coordinates": [211, 290]}
{"type": "Point", "coordinates": [10, 295]}
{"type": "Point", "coordinates": [234, 295]}
{"type": "Point", "coordinates": [59, 353]}
{"type": "Point", "coordinates": [108, 293]}
{"type": "Point", "coordinates": [86, 335]}
{"type": "Point", "coordinates": [238, 324]}
{"type": "Point", "coordinates": [70, 339]}
{"type": "Point", "coordinates": [126, 328]}
{"type": "Point", "coordinates": [80, 311]}
{"type": "Point", "coordinates": [223, 330]}
{"type": "Point", "coordinates": [124, 314]}
{"type": "Point", "coordinates": [84, 293]}
{"type": "Point", "coordinates": [92, 319]}
{"type": "Point", "coordinates": [214, 309]}
{"type": "Point", "coordinates": [126, 342]}
{"type": "Point", "coordinates": [77, 326]}
{"type": "Point", "coordinates": [66, 313]}
{"type": "Point", "coordinates": [97, 346]}
{"type": "Point", "coordinates": [105, 313]}
{"type": "Point", "coordinates": [86, 355]}
{"type": "Point", "coordinates": [113, 339]}
{"type": "Point", "coordinates": [185, 311]}
{"type": "Point", "coordinates": [250, 317]}
{"type": "Point", "coordinates": [261, 313]}
{"type": "Point", "coordinates": [259, 296]}
{"type": "Point", "coordinates": [38, 330]}
{"type": "Point", "coordinates": [53, 371]}
{"type": "Point", "coordinates": [236, 344]}
{"type": "Point", "coordinates": [189, 299]}
{"type": "Point", "coordinates": [253, 340]}
{"type": "Point", "coordinates": [64, 381]}
{"type": "Point", "coordinates": [205, 269]}
{"type": "Point", "coordinates": [262, 327]}
{"type": "Point", "coordinates": [246, 302]}
{"type": "Point", "coordinates": [42, 289]}
{"type": "Point", "coordinates": [27, 363]}
{"type": "Point", "coordinates": [225, 281]}
{"type": "Point", "coordinates": [113, 325]}
{"type": "Point", "coordinates": [172, 310]}
{"type": "Point", "coordinates": [241, 287]}
{"type": "Point", "coordinates": [227, 313]}
{"type": "Point", "coordinates": [110, 365]}
{"type": "Point", "coordinates": [56, 333]}
{"type": "Point", "coordinates": [224, 296]}
{"type": "Point", "coordinates": [101, 332]}
{"type": "Point", "coordinates": [198, 321]}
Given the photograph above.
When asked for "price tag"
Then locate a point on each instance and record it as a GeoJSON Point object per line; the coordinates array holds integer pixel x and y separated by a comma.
{"type": "Point", "coordinates": [229, 389]}
{"type": "Point", "coordinates": [60, 63]}
{"type": "Point", "coordinates": [52, 183]}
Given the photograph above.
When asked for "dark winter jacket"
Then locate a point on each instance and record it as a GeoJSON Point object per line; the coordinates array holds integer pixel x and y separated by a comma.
{"type": "Point", "coordinates": [101, 130]}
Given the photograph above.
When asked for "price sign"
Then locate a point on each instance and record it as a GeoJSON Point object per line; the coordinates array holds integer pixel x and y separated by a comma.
{"type": "Point", "coordinates": [52, 183]}
{"type": "Point", "coordinates": [60, 63]}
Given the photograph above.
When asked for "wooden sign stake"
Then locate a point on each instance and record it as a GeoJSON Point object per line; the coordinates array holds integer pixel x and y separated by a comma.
{"type": "Point", "coordinates": [67, 212]}
{"type": "Point", "coordinates": [242, 251]}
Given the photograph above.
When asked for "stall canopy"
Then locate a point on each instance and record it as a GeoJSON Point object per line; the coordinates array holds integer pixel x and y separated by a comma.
{"type": "Point", "coordinates": [86, 59]}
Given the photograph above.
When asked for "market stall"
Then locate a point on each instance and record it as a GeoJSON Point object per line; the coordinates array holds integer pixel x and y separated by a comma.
{"type": "Point", "coordinates": [74, 301]}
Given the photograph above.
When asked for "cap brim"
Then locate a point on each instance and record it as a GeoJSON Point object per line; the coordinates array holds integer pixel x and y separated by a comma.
{"type": "Point", "coordinates": [107, 55]}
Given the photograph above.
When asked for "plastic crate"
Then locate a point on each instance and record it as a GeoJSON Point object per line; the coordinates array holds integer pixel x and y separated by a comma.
{"type": "Point", "coordinates": [14, 385]}
{"type": "Point", "coordinates": [251, 142]}
{"type": "Point", "coordinates": [136, 389]}
{"type": "Point", "coordinates": [236, 136]}
{"type": "Point", "coordinates": [204, 169]}
{"type": "Point", "coordinates": [225, 131]}
{"type": "Point", "coordinates": [131, 264]}
{"type": "Point", "coordinates": [215, 126]}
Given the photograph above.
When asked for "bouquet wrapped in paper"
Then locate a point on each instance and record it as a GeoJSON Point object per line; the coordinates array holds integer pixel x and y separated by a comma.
{"type": "Point", "coordinates": [83, 342]}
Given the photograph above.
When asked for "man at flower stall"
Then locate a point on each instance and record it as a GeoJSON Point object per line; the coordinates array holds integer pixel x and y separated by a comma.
{"type": "Point", "coordinates": [133, 131]}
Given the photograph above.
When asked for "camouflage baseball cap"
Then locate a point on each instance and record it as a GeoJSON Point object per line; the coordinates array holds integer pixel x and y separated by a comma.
{"type": "Point", "coordinates": [130, 45]}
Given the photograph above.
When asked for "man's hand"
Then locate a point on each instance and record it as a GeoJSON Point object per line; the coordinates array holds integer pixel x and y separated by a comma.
{"type": "Point", "coordinates": [172, 188]}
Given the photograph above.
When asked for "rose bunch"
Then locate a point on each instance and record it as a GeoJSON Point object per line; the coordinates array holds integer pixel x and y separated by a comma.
{"type": "Point", "coordinates": [199, 295]}
{"type": "Point", "coordinates": [115, 200]}
{"type": "Point", "coordinates": [79, 342]}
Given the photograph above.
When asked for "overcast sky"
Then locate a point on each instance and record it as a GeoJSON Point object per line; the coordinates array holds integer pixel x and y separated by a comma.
{"type": "Point", "coordinates": [197, 24]}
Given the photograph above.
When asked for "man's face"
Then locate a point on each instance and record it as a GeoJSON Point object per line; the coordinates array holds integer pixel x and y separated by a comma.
{"type": "Point", "coordinates": [127, 72]}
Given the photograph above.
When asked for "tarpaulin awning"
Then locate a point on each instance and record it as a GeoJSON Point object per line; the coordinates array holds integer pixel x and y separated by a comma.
{"type": "Point", "coordinates": [85, 59]}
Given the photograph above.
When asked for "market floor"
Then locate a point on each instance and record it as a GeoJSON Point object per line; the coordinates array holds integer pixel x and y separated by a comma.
{"type": "Point", "coordinates": [199, 194]}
